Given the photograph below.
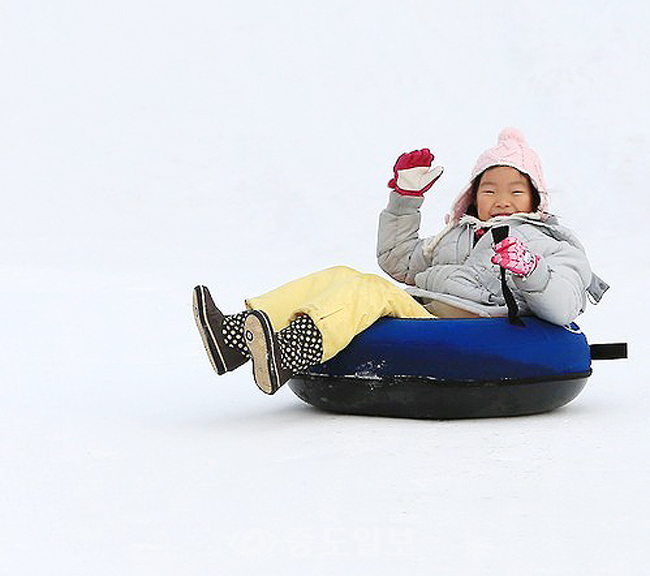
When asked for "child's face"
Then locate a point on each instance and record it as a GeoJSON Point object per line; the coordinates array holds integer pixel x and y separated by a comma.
{"type": "Point", "coordinates": [503, 191]}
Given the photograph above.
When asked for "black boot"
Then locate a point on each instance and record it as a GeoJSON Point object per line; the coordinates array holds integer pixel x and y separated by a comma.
{"type": "Point", "coordinates": [218, 333]}
{"type": "Point", "coordinates": [277, 357]}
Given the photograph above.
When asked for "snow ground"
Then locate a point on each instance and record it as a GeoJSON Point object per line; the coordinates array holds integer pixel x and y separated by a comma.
{"type": "Point", "coordinates": [147, 147]}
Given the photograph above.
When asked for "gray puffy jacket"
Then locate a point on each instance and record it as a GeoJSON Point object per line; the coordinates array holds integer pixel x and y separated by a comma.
{"type": "Point", "coordinates": [452, 269]}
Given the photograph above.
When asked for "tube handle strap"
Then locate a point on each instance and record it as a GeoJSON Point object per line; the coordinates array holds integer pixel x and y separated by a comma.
{"type": "Point", "coordinates": [609, 351]}
{"type": "Point", "coordinates": [501, 233]}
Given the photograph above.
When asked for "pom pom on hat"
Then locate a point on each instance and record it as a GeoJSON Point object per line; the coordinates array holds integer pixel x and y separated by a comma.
{"type": "Point", "coordinates": [511, 134]}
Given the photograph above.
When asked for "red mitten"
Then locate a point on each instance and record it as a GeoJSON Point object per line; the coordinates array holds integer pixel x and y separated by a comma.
{"type": "Point", "coordinates": [513, 255]}
{"type": "Point", "coordinates": [412, 173]}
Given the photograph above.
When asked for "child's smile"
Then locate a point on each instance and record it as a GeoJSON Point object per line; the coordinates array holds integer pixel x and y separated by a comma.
{"type": "Point", "coordinates": [503, 191]}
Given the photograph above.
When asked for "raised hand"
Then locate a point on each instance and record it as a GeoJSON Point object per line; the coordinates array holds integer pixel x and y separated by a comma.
{"type": "Point", "coordinates": [413, 174]}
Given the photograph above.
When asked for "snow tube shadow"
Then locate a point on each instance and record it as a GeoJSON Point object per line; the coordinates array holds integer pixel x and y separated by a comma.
{"type": "Point", "coordinates": [444, 369]}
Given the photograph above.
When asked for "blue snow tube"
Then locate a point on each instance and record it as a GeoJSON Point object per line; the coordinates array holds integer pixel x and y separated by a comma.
{"type": "Point", "coordinates": [443, 368]}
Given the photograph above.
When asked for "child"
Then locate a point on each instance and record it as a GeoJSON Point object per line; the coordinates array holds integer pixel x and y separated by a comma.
{"type": "Point", "coordinates": [453, 274]}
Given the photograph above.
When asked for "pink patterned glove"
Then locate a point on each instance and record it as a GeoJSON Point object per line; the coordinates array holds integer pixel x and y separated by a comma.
{"type": "Point", "coordinates": [513, 255]}
{"type": "Point", "coordinates": [412, 173]}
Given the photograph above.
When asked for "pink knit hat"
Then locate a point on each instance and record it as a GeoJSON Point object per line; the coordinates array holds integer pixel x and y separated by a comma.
{"type": "Point", "coordinates": [511, 150]}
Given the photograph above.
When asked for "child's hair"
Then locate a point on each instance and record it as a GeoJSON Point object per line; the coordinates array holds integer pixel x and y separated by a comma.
{"type": "Point", "coordinates": [472, 209]}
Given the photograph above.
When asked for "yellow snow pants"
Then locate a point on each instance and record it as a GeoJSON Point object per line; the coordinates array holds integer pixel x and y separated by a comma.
{"type": "Point", "coordinates": [341, 301]}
